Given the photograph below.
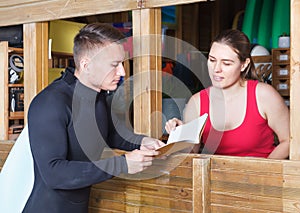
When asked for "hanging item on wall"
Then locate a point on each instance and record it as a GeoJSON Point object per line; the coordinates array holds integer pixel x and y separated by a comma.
{"type": "Point", "coordinates": [16, 67]}
{"type": "Point", "coordinates": [16, 97]}
{"type": "Point", "coordinates": [12, 34]}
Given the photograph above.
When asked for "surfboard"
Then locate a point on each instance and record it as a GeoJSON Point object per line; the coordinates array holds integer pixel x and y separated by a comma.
{"type": "Point", "coordinates": [281, 20]}
{"type": "Point", "coordinates": [237, 23]}
{"type": "Point", "coordinates": [264, 33]}
{"type": "Point", "coordinates": [251, 19]}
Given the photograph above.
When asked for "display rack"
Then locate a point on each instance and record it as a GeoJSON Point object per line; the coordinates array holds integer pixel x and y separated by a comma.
{"type": "Point", "coordinates": [11, 114]}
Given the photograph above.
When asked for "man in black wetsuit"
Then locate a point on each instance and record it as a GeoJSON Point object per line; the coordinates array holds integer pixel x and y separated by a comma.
{"type": "Point", "coordinates": [70, 124]}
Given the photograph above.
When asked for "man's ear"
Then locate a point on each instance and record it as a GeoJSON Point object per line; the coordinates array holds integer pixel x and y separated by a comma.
{"type": "Point", "coordinates": [245, 64]}
{"type": "Point", "coordinates": [84, 64]}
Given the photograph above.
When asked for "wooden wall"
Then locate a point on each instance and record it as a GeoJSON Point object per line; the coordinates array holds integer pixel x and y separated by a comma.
{"type": "Point", "coordinates": [200, 184]}
{"type": "Point", "coordinates": [251, 185]}
{"type": "Point", "coordinates": [171, 191]}
{"type": "Point", "coordinates": [5, 147]}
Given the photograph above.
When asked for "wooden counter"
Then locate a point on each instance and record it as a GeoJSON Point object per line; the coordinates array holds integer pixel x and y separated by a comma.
{"type": "Point", "coordinates": [201, 184]}
{"type": "Point", "coordinates": [5, 147]}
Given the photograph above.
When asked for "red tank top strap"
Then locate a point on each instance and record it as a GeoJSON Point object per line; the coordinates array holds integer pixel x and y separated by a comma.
{"type": "Point", "coordinates": [252, 108]}
{"type": "Point", "coordinates": [204, 101]}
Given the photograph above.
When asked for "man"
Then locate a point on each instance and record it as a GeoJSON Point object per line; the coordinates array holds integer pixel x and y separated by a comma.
{"type": "Point", "coordinates": [70, 124]}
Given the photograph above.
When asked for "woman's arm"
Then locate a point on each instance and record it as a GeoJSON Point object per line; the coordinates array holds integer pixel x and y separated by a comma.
{"type": "Point", "coordinates": [191, 112]}
{"type": "Point", "coordinates": [272, 107]}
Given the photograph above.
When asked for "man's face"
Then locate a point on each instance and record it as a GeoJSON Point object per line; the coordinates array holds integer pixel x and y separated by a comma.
{"type": "Point", "coordinates": [105, 69]}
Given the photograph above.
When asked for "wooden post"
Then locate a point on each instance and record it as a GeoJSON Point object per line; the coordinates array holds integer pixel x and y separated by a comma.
{"type": "Point", "coordinates": [294, 81]}
{"type": "Point", "coordinates": [201, 185]}
{"type": "Point", "coordinates": [35, 61]}
{"type": "Point", "coordinates": [146, 70]}
{"type": "Point", "coordinates": [4, 90]}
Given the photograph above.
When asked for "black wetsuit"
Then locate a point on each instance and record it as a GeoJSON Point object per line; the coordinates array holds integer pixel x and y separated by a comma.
{"type": "Point", "coordinates": [67, 150]}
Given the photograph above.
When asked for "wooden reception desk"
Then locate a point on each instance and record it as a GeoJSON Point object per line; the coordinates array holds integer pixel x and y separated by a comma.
{"type": "Point", "coordinates": [200, 183]}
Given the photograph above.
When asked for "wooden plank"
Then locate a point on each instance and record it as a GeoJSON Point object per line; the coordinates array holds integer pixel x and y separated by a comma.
{"type": "Point", "coordinates": [232, 209]}
{"type": "Point", "coordinates": [294, 81]}
{"type": "Point", "coordinates": [245, 188]}
{"type": "Point", "coordinates": [247, 164]}
{"type": "Point", "coordinates": [201, 185]}
{"type": "Point", "coordinates": [169, 181]}
{"type": "Point", "coordinates": [162, 3]}
{"type": "Point", "coordinates": [291, 167]}
{"type": "Point", "coordinates": [146, 70]}
{"type": "Point", "coordinates": [248, 178]}
{"type": "Point", "coordinates": [5, 148]}
{"type": "Point", "coordinates": [170, 192]}
{"type": "Point", "coordinates": [41, 10]}
{"type": "Point", "coordinates": [107, 200]}
{"type": "Point", "coordinates": [248, 201]}
{"type": "Point", "coordinates": [3, 156]}
{"type": "Point", "coordinates": [102, 210]}
{"type": "Point", "coordinates": [162, 202]}
{"type": "Point", "coordinates": [4, 90]}
{"type": "Point", "coordinates": [6, 145]}
{"type": "Point", "coordinates": [148, 189]}
{"type": "Point", "coordinates": [35, 61]}
{"type": "Point", "coordinates": [250, 184]}
{"type": "Point", "coordinates": [291, 206]}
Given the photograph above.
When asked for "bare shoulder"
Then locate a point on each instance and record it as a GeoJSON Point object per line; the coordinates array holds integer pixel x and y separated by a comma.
{"type": "Point", "coordinates": [192, 109]}
{"type": "Point", "coordinates": [268, 98]}
{"type": "Point", "coordinates": [195, 98]}
{"type": "Point", "coordinates": [264, 90]}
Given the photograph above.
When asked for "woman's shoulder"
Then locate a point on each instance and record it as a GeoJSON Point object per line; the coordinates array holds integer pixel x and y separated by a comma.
{"type": "Point", "coordinates": [265, 90]}
{"type": "Point", "coordinates": [268, 96]}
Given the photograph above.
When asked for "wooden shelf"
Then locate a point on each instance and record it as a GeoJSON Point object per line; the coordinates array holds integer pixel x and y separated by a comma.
{"type": "Point", "coordinates": [9, 119]}
{"type": "Point", "coordinates": [60, 60]}
{"type": "Point", "coordinates": [15, 85]}
{"type": "Point", "coordinates": [16, 115]}
{"type": "Point", "coordinates": [15, 50]}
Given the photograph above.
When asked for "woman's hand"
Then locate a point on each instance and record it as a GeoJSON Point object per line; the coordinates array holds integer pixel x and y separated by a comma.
{"type": "Point", "coordinates": [172, 123]}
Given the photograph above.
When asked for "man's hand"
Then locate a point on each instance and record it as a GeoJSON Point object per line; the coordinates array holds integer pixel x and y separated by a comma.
{"type": "Point", "coordinates": [151, 143]}
{"type": "Point", "coordinates": [139, 160]}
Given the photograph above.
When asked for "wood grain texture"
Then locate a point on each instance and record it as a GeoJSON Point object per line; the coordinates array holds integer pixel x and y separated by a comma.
{"type": "Point", "coordinates": [147, 72]}
{"type": "Point", "coordinates": [5, 148]}
{"type": "Point", "coordinates": [171, 191]}
{"type": "Point", "coordinates": [4, 90]}
{"type": "Point", "coordinates": [28, 11]}
{"type": "Point", "coordinates": [35, 61]}
{"type": "Point", "coordinates": [294, 81]}
{"type": "Point", "coordinates": [201, 185]}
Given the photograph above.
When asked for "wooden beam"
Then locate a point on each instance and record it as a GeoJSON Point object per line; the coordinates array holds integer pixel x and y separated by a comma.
{"type": "Point", "coordinates": [4, 90]}
{"type": "Point", "coordinates": [27, 11]}
{"type": "Point", "coordinates": [294, 81]}
{"type": "Point", "coordinates": [147, 71]}
{"type": "Point", "coordinates": [21, 11]}
{"type": "Point", "coordinates": [162, 3]}
{"type": "Point", "coordinates": [201, 185]}
{"type": "Point", "coordinates": [35, 61]}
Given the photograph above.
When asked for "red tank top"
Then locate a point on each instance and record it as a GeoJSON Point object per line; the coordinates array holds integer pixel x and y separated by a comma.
{"type": "Point", "coordinates": [252, 138]}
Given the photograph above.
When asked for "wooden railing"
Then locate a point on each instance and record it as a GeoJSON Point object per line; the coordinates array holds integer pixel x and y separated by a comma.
{"type": "Point", "coordinates": [200, 184]}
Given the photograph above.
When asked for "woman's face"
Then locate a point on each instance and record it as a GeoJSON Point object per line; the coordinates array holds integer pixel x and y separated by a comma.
{"type": "Point", "coordinates": [224, 66]}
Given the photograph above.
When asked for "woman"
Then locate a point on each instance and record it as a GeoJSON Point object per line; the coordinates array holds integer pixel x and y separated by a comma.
{"type": "Point", "coordinates": [243, 113]}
